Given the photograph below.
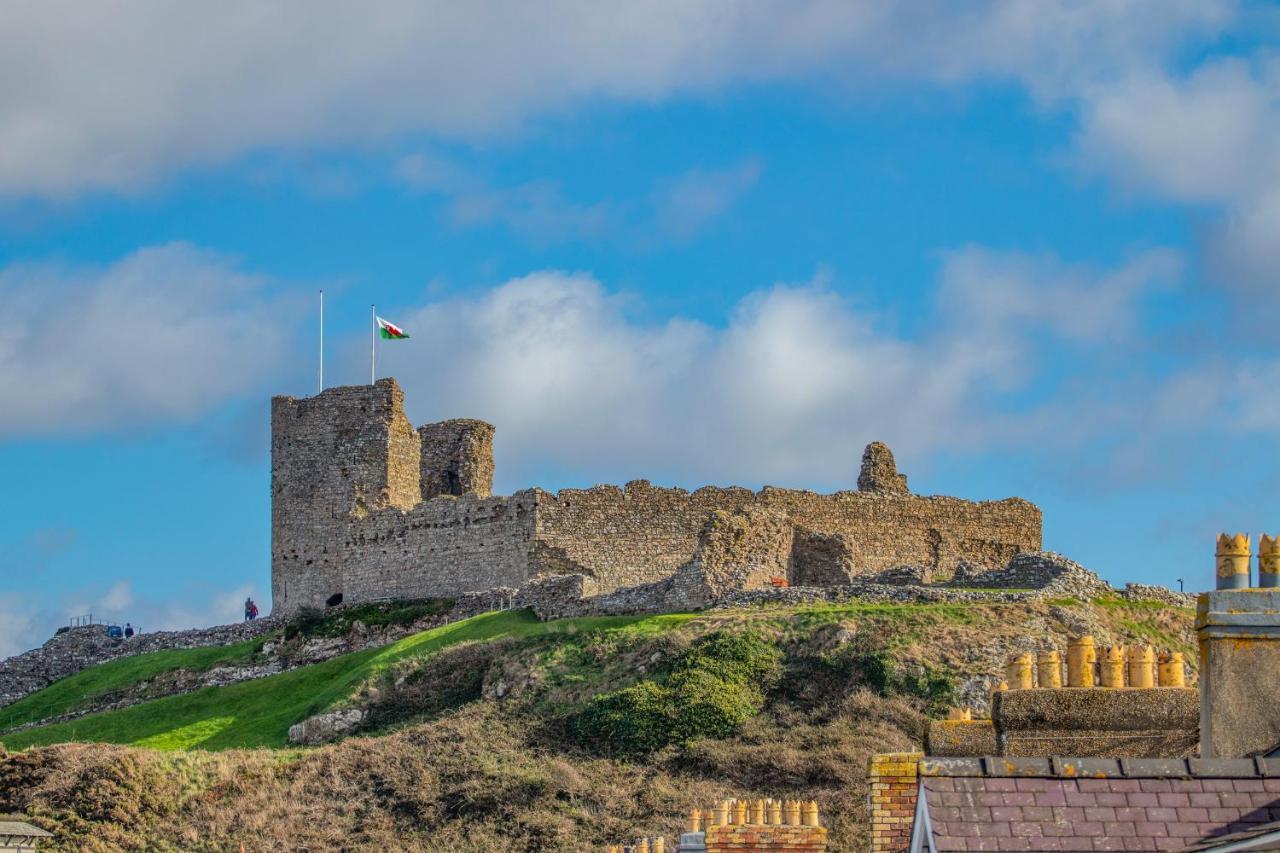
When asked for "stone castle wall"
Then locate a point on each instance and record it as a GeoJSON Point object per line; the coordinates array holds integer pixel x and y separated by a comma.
{"type": "Point", "coordinates": [649, 532]}
{"type": "Point", "coordinates": [444, 546]}
{"type": "Point", "coordinates": [365, 508]}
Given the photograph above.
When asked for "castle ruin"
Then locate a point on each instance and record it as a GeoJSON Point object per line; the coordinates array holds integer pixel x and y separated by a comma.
{"type": "Point", "coordinates": [364, 507]}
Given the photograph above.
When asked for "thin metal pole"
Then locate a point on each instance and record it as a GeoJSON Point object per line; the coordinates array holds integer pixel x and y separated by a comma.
{"type": "Point", "coordinates": [373, 345]}
{"type": "Point", "coordinates": [320, 383]}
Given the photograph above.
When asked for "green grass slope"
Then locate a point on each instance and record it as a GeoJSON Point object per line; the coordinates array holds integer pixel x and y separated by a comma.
{"type": "Point", "coordinates": [77, 691]}
{"type": "Point", "coordinates": [259, 712]}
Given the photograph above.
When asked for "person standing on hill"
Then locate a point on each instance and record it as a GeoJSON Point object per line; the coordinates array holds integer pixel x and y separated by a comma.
{"type": "Point", "coordinates": [250, 610]}
{"type": "Point", "coordinates": [128, 630]}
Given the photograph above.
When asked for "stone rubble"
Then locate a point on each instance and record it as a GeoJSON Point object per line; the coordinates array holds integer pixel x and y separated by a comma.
{"type": "Point", "coordinates": [69, 652]}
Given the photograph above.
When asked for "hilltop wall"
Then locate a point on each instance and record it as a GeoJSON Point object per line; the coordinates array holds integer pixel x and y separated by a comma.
{"type": "Point", "coordinates": [641, 534]}
{"type": "Point", "coordinates": [364, 508]}
{"type": "Point", "coordinates": [444, 546]}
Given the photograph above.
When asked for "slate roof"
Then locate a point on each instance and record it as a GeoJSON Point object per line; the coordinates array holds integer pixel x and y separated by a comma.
{"type": "Point", "coordinates": [18, 829]}
{"type": "Point", "coordinates": [1261, 838]}
{"type": "Point", "coordinates": [1051, 804]}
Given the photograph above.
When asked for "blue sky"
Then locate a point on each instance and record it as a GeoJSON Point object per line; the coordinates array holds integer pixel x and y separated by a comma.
{"type": "Point", "coordinates": [1030, 246]}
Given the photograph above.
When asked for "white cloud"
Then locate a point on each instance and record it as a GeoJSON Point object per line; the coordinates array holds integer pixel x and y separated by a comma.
{"type": "Point", "coordinates": [536, 210]}
{"type": "Point", "coordinates": [112, 97]}
{"type": "Point", "coordinates": [1205, 138]}
{"type": "Point", "coordinates": [167, 333]}
{"type": "Point", "coordinates": [790, 390]}
{"type": "Point", "coordinates": [16, 623]}
{"type": "Point", "coordinates": [1004, 292]}
{"type": "Point", "coordinates": [688, 202]}
{"type": "Point", "coordinates": [116, 599]}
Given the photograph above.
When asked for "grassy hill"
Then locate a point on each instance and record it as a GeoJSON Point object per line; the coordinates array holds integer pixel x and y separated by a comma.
{"type": "Point", "coordinates": [259, 712]}
{"type": "Point", "coordinates": [479, 741]}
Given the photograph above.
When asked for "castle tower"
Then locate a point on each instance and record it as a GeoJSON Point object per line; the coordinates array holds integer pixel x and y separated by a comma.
{"type": "Point", "coordinates": [457, 458]}
{"type": "Point", "coordinates": [335, 457]}
{"type": "Point", "coordinates": [879, 472]}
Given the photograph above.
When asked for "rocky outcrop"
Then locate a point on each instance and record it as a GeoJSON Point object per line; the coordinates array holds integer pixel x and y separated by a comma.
{"type": "Point", "coordinates": [80, 648]}
{"type": "Point", "coordinates": [327, 727]}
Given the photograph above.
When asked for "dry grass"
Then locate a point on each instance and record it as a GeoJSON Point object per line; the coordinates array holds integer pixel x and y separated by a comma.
{"type": "Point", "coordinates": [478, 779]}
{"type": "Point", "coordinates": [505, 776]}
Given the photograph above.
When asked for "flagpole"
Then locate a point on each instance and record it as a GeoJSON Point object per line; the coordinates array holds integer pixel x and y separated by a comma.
{"type": "Point", "coordinates": [320, 383]}
{"type": "Point", "coordinates": [373, 345]}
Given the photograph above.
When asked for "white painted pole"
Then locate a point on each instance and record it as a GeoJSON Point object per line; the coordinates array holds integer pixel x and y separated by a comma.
{"type": "Point", "coordinates": [373, 345]}
{"type": "Point", "coordinates": [320, 382]}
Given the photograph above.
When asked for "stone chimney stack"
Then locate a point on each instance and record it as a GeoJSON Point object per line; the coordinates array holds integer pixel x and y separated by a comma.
{"type": "Point", "coordinates": [879, 471]}
{"type": "Point", "coordinates": [1239, 633]}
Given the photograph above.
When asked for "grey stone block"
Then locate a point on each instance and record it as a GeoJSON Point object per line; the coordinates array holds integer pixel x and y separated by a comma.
{"type": "Point", "coordinates": [1234, 768]}
{"type": "Point", "coordinates": [1154, 768]}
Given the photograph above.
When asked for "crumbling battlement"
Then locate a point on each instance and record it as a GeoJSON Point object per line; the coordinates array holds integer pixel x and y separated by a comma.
{"type": "Point", "coordinates": [364, 507]}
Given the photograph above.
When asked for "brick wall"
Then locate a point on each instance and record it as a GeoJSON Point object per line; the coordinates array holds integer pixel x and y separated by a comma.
{"type": "Point", "coordinates": [766, 839]}
{"type": "Point", "coordinates": [893, 781]}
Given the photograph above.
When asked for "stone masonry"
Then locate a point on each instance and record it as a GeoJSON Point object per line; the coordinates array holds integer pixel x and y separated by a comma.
{"type": "Point", "coordinates": [879, 472]}
{"type": "Point", "coordinates": [457, 458]}
{"type": "Point", "coordinates": [366, 508]}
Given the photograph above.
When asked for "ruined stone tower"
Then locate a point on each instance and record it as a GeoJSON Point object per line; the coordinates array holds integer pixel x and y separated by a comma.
{"type": "Point", "coordinates": [345, 454]}
{"type": "Point", "coordinates": [879, 472]}
{"type": "Point", "coordinates": [457, 458]}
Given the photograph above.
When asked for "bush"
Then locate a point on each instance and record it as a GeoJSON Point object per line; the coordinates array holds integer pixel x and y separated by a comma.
{"type": "Point", "coordinates": [745, 657]}
{"type": "Point", "coordinates": [632, 720]}
{"type": "Point", "coordinates": [888, 677]}
{"type": "Point", "coordinates": [713, 688]}
{"type": "Point", "coordinates": [708, 705]}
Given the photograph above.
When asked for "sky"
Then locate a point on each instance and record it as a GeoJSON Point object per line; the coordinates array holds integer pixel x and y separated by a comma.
{"type": "Point", "coordinates": [1031, 246]}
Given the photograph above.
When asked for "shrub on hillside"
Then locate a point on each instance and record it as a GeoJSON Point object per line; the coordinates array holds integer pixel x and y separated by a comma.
{"type": "Point", "coordinates": [311, 622]}
{"type": "Point", "coordinates": [890, 677]}
{"type": "Point", "coordinates": [713, 688]}
{"type": "Point", "coordinates": [743, 656]}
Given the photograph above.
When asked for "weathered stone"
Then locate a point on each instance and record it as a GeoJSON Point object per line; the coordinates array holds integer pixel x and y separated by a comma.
{"type": "Point", "coordinates": [324, 728]}
{"type": "Point", "coordinates": [68, 652]}
{"type": "Point", "coordinates": [1042, 570]}
{"type": "Point", "coordinates": [737, 551]}
{"type": "Point", "coordinates": [879, 472]}
{"type": "Point", "coordinates": [822, 559]}
{"type": "Point", "coordinates": [1160, 722]}
{"type": "Point", "coordinates": [457, 458]}
{"type": "Point", "coordinates": [349, 522]}
{"type": "Point", "coordinates": [1239, 633]}
{"type": "Point", "coordinates": [955, 738]}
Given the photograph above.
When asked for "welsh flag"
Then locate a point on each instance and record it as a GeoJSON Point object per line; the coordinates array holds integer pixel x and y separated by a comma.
{"type": "Point", "coordinates": [390, 331]}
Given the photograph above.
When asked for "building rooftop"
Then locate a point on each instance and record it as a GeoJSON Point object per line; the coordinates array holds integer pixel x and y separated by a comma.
{"type": "Point", "coordinates": [12, 829]}
{"type": "Point", "coordinates": [1001, 803]}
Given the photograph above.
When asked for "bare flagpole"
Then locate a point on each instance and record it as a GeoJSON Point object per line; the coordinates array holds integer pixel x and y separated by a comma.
{"type": "Point", "coordinates": [373, 345]}
{"type": "Point", "coordinates": [321, 380]}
